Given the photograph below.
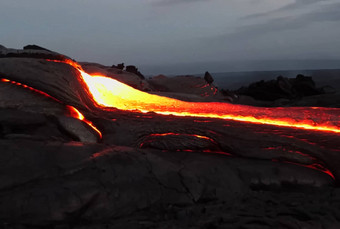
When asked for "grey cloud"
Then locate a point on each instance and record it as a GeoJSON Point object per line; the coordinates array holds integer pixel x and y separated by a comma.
{"type": "Point", "coordinates": [298, 4]}
{"type": "Point", "coordinates": [136, 32]}
{"type": "Point", "coordinates": [174, 2]}
{"type": "Point", "coordinates": [326, 14]}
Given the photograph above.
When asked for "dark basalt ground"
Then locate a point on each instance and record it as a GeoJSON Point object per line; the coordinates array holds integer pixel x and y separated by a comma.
{"type": "Point", "coordinates": [149, 170]}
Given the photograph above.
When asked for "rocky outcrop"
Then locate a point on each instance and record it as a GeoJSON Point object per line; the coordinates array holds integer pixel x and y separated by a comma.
{"type": "Point", "coordinates": [31, 51]}
{"type": "Point", "coordinates": [133, 69]}
{"type": "Point", "coordinates": [281, 88]}
{"type": "Point", "coordinates": [57, 79]}
{"type": "Point", "coordinates": [35, 47]}
{"type": "Point", "coordinates": [208, 78]}
{"type": "Point", "coordinates": [120, 66]}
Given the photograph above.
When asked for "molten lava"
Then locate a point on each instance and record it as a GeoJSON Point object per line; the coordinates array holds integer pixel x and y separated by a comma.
{"type": "Point", "coordinates": [179, 134]}
{"type": "Point", "coordinates": [28, 87]}
{"type": "Point", "coordinates": [76, 114]}
{"type": "Point", "coordinates": [110, 93]}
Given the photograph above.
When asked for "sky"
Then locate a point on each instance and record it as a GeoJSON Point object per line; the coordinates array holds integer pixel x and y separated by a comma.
{"type": "Point", "coordinates": [180, 36]}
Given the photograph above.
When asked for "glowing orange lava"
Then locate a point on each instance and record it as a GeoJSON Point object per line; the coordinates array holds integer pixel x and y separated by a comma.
{"type": "Point", "coordinates": [110, 93]}
{"type": "Point", "coordinates": [28, 87]}
{"type": "Point", "coordinates": [179, 134]}
{"type": "Point", "coordinates": [76, 114]}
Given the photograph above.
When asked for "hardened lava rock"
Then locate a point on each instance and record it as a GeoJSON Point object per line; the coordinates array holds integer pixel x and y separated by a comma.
{"type": "Point", "coordinates": [67, 163]}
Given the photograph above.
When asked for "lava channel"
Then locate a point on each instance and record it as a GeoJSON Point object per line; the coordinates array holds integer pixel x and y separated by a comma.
{"type": "Point", "coordinates": [111, 93]}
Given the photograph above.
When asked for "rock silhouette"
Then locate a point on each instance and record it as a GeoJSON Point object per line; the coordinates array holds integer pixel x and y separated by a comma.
{"type": "Point", "coordinates": [281, 88]}
{"type": "Point", "coordinates": [208, 78]}
{"type": "Point", "coordinates": [133, 69]}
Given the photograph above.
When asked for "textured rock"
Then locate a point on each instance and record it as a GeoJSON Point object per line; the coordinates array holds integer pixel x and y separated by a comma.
{"type": "Point", "coordinates": [24, 111]}
{"type": "Point", "coordinates": [31, 51]}
{"type": "Point", "coordinates": [21, 98]}
{"type": "Point", "coordinates": [53, 183]}
{"type": "Point", "coordinates": [78, 129]}
{"type": "Point", "coordinates": [184, 85]}
{"type": "Point", "coordinates": [57, 79]}
{"type": "Point", "coordinates": [149, 170]}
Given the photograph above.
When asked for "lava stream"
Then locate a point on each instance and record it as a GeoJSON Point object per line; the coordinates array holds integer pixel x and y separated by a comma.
{"type": "Point", "coordinates": [110, 93]}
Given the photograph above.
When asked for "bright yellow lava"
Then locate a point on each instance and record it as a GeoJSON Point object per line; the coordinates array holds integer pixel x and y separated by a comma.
{"type": "Point", "coordinates": [108, 92]}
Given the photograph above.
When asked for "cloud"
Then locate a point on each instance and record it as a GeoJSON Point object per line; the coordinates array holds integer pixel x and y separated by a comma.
{"type": "Point", "coordinates": [328, 13]}
{"type": "Point", "coordinates": [298, 4]}
{"type": "Point", "coordinates": [174, 2]}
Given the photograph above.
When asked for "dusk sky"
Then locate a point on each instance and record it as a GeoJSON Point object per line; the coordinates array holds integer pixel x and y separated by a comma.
{"type": "Point", "coordinates": [180, 36]}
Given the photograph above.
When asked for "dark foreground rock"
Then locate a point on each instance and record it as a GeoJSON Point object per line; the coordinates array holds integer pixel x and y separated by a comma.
{"type": "Point", "coordinates": [53, 183]}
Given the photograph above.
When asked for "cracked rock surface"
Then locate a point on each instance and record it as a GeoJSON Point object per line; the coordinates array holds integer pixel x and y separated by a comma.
{"type": "Point", "coordinates": [54, 183]}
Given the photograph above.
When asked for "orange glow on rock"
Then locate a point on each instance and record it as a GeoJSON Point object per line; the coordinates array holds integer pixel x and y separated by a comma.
{"type": "Point", "coordinates": [76, 114]}
{"type": "Point", "coordinates": [179, 134]}
{"type": "Point", "coordinates": [315, 166]}
{"type": "Point", "coordinates": [28, 87]}
{"type": "Point", "coordinates": [154, 138]}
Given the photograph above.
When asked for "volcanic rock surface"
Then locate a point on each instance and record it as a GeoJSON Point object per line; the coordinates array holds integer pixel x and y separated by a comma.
{"type": "Point", "coordinates": [189, 88]}
{"type": "Point", "coordinates": [127, 169]}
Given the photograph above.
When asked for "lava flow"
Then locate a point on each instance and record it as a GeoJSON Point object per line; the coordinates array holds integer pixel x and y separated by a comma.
{"type": "Point", "coordinates": [110, 93]}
